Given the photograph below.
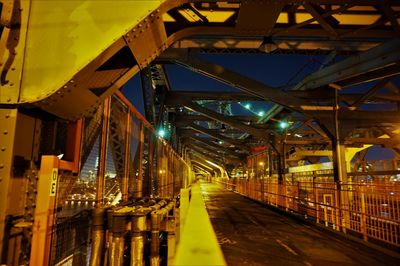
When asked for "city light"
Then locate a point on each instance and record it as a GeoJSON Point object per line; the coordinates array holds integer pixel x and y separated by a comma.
{"type": "Point", "coordinates": [261, 163]}
{"type": "Point", "coordinates": [261, 113]}
{"type": "Point", "coordinates": [161, 132]}
{"type": "Point", "coordinates": [283, 124]}
{"type": "Point", "coordinates": [220, 142]}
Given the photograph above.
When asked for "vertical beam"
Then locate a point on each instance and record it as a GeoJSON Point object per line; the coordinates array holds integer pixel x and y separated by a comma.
{"type": "Point", "coordinates": [103, 154]}
{"type": "Point", "coordinates": [8, 123]}
{"type": "Point", "coordinates": [45, 211]}
{"type": "Point", "coordinates": [74, 141]}
{"type": "Point", "coordinates": [139, 180]}
{"type": "Point", "coordinates": [338, 148]}
{"type": "Point", "coordinates": [125, 178]}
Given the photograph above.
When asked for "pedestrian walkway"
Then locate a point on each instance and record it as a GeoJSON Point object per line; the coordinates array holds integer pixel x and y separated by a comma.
{"type": "Point", "coordinates": [252, 234]}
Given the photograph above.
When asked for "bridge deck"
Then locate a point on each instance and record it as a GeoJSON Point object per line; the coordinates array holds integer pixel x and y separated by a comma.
{"type": "Point", "coordinates": [251, 234]}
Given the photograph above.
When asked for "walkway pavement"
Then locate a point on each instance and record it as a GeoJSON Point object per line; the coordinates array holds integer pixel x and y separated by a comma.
{"type": "Point", "coordinates": [250, 234]}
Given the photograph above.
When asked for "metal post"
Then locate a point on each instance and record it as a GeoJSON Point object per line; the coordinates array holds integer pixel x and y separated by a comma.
{"type": "Point", "coordinates": [138, 226]}
{"type": "Point", "coordinates": [45, 211]}
{"type": "Point", "coordinates": [103, 154]}
{"type": "Point", "coordinates": [97, 256]}
{"type": "Point", "coordinates": [117, 246]}
{"type": "Point", "coordinates": [125, 178]}
{"type": "Point", "coordinates": [8, 123]}
{"type": "Point", "coordinates": [155, 238]}
{"type": "Point", "coordinates": [139, 180]}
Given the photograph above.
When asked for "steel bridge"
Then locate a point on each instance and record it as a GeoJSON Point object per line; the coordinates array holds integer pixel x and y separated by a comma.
{"type": "Point", "coordinates": [89, 178]}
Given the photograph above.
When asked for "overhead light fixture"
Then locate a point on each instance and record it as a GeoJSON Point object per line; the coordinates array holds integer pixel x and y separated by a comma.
{"type": "Point", "coordinates": [161, 132]}
{"type": "Point", "coordinates": [247, 106]}
{"type": "Point", "coordinates": [223, 127]}
{"type": "Point", "coordinates": [283, 124]}
{"type": "Point", "coordinates": [261, 113]}
{"type": "Point", "coordinates": [268, 45]}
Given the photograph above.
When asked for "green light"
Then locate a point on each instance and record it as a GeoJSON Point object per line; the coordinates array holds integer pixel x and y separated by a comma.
{"type": "Point", "coordinates": [261, 113]}
{"type": "Point", "coordinates": [283, 124]}
{"type": "Point", "coordinates": [161, 132]}
{"type": "Point", "coordinates": [247, 106]}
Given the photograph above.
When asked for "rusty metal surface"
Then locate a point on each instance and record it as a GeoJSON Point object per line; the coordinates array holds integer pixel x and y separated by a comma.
{"type": "Point", "coordinates": [251, 234]}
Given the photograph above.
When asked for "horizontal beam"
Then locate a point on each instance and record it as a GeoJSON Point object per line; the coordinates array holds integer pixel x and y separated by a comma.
{"type": "Point", "coordinates": [212, 95]}
{"type": "Point", "coordinates": [212, 133]}
{"type": "Point", "coordinates": [378, 57]}
{"type": "Point", "coordinates": [227, 120]}
{"type": "Point", "coordinates": [182, 119]}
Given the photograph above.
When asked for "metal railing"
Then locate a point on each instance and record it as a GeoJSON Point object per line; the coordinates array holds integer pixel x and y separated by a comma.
{"type": "Point", "coordinates": [370, 210]}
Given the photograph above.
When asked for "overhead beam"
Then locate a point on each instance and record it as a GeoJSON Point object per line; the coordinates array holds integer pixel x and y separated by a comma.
{"type": "Point", "coordinates": [313, 11]}
{"type": "Point", "coordinates": [227, 120]}
{"type": "Point", "coordinates": [379, 85]}
{"type": "Point", "coordinates": [217, 148]}
{"type": "Point", "coordinates": [258, 15]}
{"type": "Point", "coordinates": [212, 133]}
{"type": "Point", "coordinates": [362, 116]}
{"type": "Point", "coordinates": [235, 79]}
{"type": "Point", "coordinates": [212, 95]}
{"type": "Point", "coordinates": [210, 149]}
{"type": "Point", "coordinates": [376, 58]}
{"type": "Point", "coordinates": [187, 119]}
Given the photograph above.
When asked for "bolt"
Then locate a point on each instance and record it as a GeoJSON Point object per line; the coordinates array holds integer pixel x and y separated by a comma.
{"type": "Point", "coordinates": [13, 68]}
{"type": "Point", "coordinates": [71, 81]}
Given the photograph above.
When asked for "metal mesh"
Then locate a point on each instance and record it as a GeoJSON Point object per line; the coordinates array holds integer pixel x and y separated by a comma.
{"type": "Point", "coordinates": [70, 238]}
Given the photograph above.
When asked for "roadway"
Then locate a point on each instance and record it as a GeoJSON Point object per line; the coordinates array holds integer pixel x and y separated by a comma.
{"type": "Point", "coordinates": [252, 234]}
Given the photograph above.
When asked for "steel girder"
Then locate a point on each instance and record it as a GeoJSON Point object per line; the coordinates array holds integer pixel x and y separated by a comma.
{"type": "Point", "coordinates": [66, 56]}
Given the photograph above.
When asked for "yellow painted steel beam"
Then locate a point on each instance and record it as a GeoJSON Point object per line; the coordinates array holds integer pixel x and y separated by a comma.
{"type": "Point", "coordinates": [52, 58]}
{"type": "Point", "coordinates": [53, 53]}
{"type": "Point", "coordinates": [8, 124]}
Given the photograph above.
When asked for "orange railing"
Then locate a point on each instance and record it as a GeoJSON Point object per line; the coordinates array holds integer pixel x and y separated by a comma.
{"type": "Point", "coordinates": [368, 209]}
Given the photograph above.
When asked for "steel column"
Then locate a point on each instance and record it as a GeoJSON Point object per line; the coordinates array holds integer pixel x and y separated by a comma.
{"type": "Point", "coordinates": [100, 184]}
{"type": "Point", "coordinates": [8, 123]}
{"type": "Point", "coordinates": [45, 211]}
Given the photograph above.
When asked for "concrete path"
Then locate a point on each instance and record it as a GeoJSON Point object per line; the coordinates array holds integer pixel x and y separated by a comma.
{"type": "Point", "coordinates": [251, 234]}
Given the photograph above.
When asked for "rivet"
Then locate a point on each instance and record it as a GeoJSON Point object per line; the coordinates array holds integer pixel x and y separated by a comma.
{"type": "Point", "coordinates": [13, 68]}
{"type": "Point", "coordinates": [7, 115]}
{"type": "Point", "coordinates": [71, 81]}
{"type": "Point", "coordinates": [5, 132]}
{"type": "Point", "coordinates": [8, 99]}
{"type": "Point", "coordinates": [3, 148]}
{"type": "Point", "coordinates": [65, 87]}
{"type": "Point", "coordinates": [1, 166]}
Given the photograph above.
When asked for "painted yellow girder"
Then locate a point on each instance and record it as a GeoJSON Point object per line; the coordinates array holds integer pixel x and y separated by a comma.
{"type": "Point", "coordinates": [58, 39]}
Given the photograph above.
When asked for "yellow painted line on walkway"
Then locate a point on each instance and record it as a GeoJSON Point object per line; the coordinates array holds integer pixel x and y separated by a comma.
{"type": "Point", "coordinates": [286, 247]}
{"type": "Point", "coordinates": [198, 244]}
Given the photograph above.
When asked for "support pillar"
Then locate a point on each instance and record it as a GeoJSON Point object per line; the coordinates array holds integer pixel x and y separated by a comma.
{"type": "Point", "coordinates": [8, 123]}
{"type": "Point", "coordinates": [125, 178]}
{"type": "Point", "coordinates": [340, 171]}
{"type": "Point", "coordinates": [103, 154]}
{"type": "Point", "coordinates": [45, 211]}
